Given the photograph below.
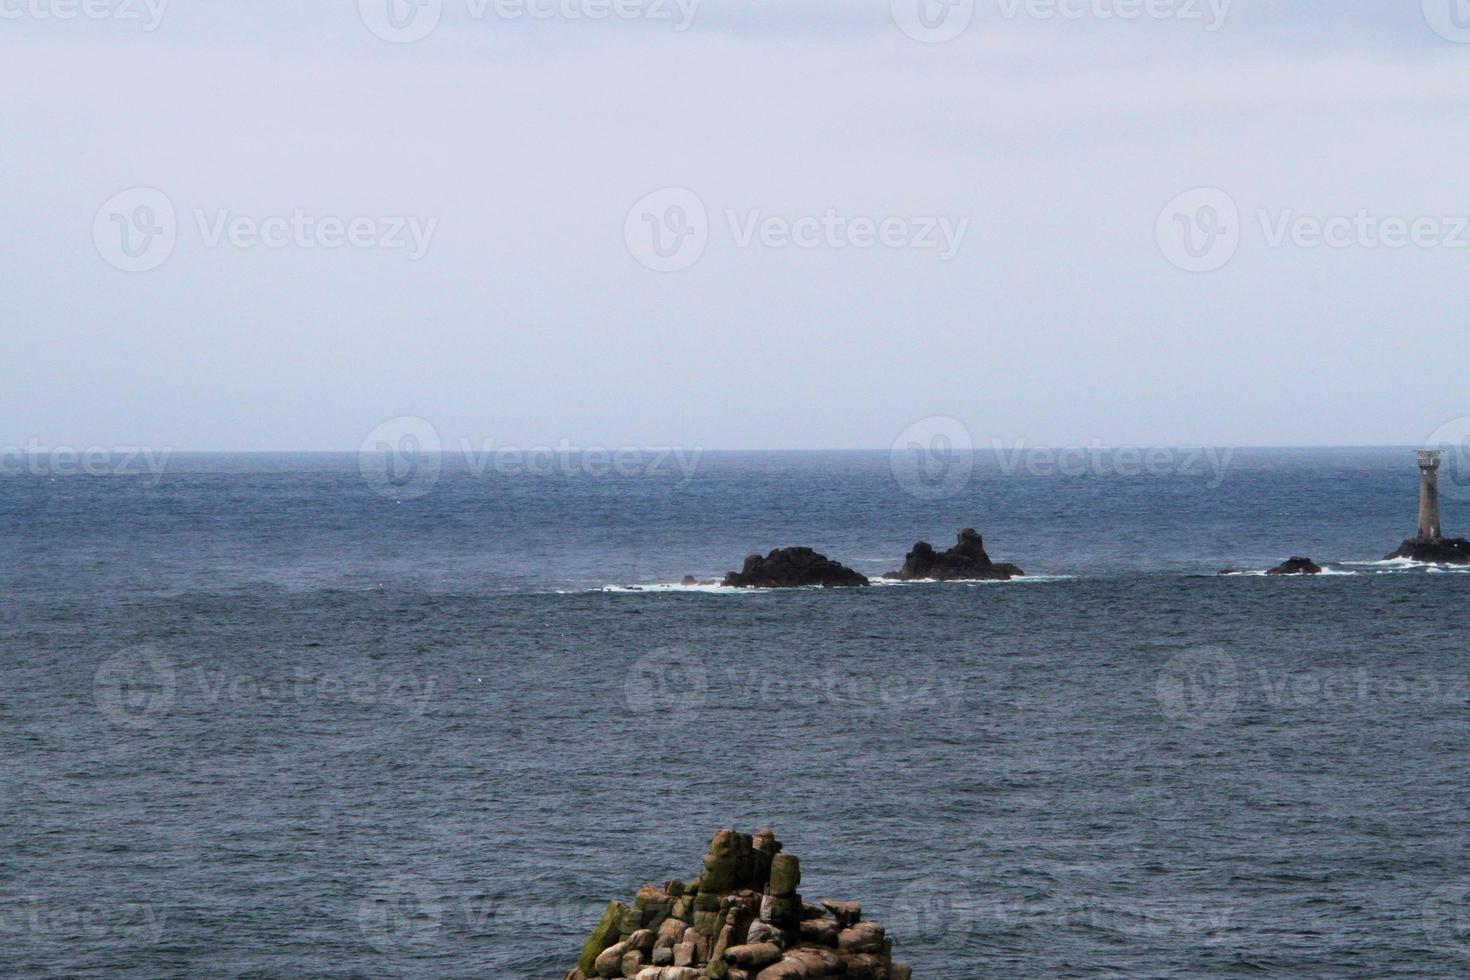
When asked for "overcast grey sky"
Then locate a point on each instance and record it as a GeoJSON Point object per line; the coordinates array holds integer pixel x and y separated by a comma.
{"type": "Point", "coordinates": [512, 158]}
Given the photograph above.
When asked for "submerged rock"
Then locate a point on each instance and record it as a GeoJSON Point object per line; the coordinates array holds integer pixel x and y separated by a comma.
{"type": "Point", "coordinates": [740, 918]}
{"type": "Point", "coordinates": [1442, 551]}
{"type": "Point", "coordinates": [789, 568]}
{"type": "Point", "coordinates": [1297, 566]}
{"type": "Point", "coordinates": [966, 561]}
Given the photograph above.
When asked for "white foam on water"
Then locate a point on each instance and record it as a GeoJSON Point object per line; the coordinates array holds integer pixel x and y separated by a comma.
{"type": "Point", "coordinates": [663, 588]}
{"type": "Point", "coordinates": [1018, 580]}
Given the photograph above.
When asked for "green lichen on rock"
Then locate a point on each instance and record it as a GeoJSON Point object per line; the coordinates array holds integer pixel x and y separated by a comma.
{"type": "Point", "coordinates": [739, 919]}
{"type": "Point", "coordinates": [604, 935]}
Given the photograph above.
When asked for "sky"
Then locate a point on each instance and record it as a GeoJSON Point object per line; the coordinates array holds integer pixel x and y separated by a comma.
{"type": "Point", "coordinates": [735, 224]}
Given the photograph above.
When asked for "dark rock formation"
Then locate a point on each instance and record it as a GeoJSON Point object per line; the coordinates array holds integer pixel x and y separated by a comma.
{"type": "Point", "coordinates": [1297, 566]}
{"type": "Point", "coordinates": [789, 568]}
{"type": "Point", "coordinates": [1441, 551]}
{"type": "Point", "coordinates": [967, 560]}
{"type": "Point", "coordinates": [740, 918]}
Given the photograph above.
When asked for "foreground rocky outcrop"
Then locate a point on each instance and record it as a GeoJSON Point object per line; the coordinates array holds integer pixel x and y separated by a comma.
{"type": "Point", "coordinates": [791, 568]}
{"type": "Point", "coordinates": [966, 561]}
{"type": "Point", "coordinates": [1297, 566]}
{"type": "Point", "coordinates": [1441, 551]}
{"type": "Point", "coordinates": [740, 918]}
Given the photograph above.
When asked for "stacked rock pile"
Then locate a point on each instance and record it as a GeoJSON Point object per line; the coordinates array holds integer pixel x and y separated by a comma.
{"type": "Point", "coordinates": [740, 918]}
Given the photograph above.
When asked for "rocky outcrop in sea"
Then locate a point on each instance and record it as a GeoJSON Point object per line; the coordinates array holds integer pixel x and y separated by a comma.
{"type": "Point", "coordinates": [740, 918]}
{"type": "Point", "coordinates": [1297, 566]}
{"type": "Point", "coordinates": [789, 568]}
{"type": "Point", "coordinates": [1442, 551]}
{"type": "Point", "coordinates": [966, 561]}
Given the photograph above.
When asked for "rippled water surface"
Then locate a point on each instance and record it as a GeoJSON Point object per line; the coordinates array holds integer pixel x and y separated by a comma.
{"type": "Point", "coordinates": [262, 721]}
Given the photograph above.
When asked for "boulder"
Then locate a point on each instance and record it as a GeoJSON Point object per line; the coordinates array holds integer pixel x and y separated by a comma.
{"type": "Point", "coordinates": [764, 932]}
{"type": "Point", "coordinates": [846, 913]}
{"type": "Point", "coordinates": [1297, 566]}
{"type": "Point", "coordinates": [1442, 551]}
{"type": "Point", "coordinates": [604, 934]}
{"type": "Point", "coordinates": [785, 875]}
{"type": "Point", "coordinates": [966, 561]}
{"type": "Point", "coordinates": [865, 937]}
{"type": "Point", "coordinates": [790, 568]}
{"type": "Point", "coordinates": [610, 961]}
{"type": "Point", "coordinates": [820, 932]}
{"type": "Point", "coordinates": [754, 955]}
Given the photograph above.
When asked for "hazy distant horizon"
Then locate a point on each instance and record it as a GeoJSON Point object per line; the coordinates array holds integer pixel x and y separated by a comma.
{"type": "Point", "coordinates": [807, 224]}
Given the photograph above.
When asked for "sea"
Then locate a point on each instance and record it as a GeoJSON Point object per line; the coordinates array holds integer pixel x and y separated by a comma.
{"type": "Point", "coordinates": [294, 716]}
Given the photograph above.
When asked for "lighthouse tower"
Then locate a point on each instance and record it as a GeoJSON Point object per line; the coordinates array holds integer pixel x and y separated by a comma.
{"type": "Point", "coordinates": [1429, 461]}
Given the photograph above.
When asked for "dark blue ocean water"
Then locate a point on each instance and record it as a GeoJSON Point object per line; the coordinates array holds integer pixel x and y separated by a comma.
{"type": "Point", "coordinates": [262, 720]}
